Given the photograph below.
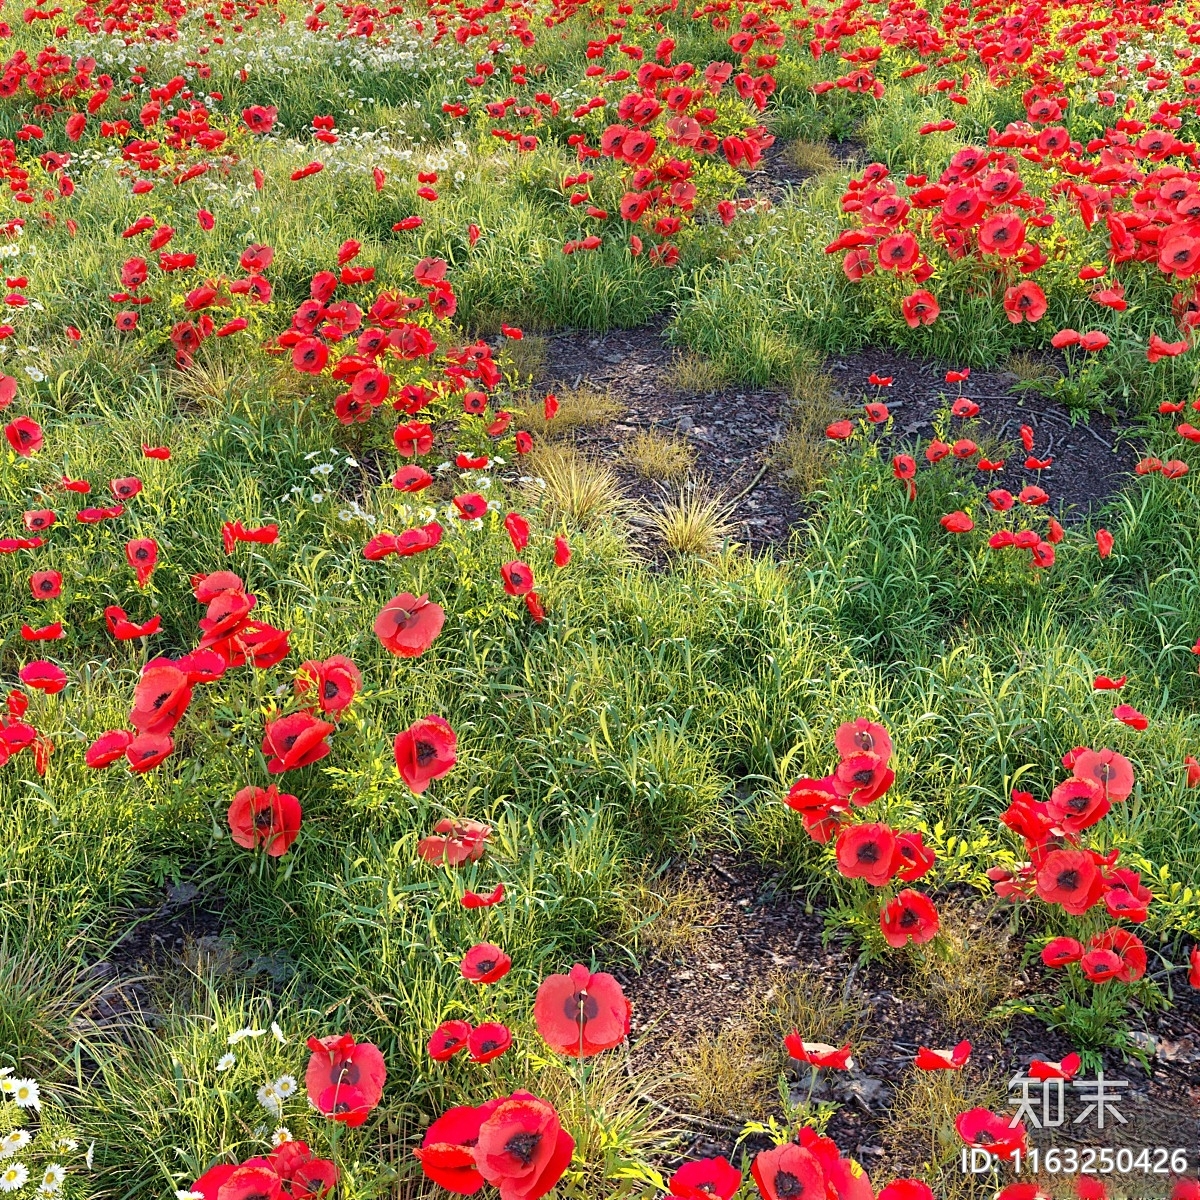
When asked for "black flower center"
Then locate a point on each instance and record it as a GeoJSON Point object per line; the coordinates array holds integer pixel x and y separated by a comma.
{"type": "Point", "coordinates": [523, 1146]}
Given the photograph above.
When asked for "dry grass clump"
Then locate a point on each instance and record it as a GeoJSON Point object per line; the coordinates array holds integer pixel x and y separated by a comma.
{"type": "Point", "coordinates": [970, 972]}
{"type": "Point", "coordinates": [814, 157]}
{"type": "Point", "coordinates": [729, 1074]}
{"type": "Point", "coordinates": [654, 455]}
{"type": "Point", "coordinates": [669, 916]}
{"type": "Point", "coordinates": [1029, 367]}
{"type": "Point", "coordinates": [582, 407]}
{"type": "Point", "coordinates": [693, 373]}
{"type": "Point", "coordinates": [802, 454]}
{"type": "Point", "coordinates": [526, 356]}
{"type": "Point", "coordinates": [694, 522]}
{"type": "Point", "coordinates": [801, 1002]}
{"type": "Point", "coordinates": [572, 487]}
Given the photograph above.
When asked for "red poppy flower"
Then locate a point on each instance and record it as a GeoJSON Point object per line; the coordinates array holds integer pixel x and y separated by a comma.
{"type": "Point", "coordinates": [448, 1039]}
{"type": "Point", "coordinates": [868, 851]}
{"type": "Point", "coordinates": [125, 630]}
{"type": "Point", "coordinates": [1002, 234]}
{"type": "Point", "coordinates": [1100, 965]}
{"type": "Point", "coordinates": [142, 555]}
{"type": "Point", "coordinates": [898, 252]}
{"type": "Point", "coordinates": [705, 1179]}
{"type": "Point", "coordinates": [266, 817]}
{"type": "Point", "coordinates": [1103, 683]}
{"type": "Point", "coordinates": [251, 1182]}
{"type": "Point", "coordinates": [107, 748]}
{"type": "Point", "coordinates": [414, 438]}
{"type": "Point", "coordinates": [1065, 1068]}
{"type": "Point", "coordinates": [580, 1013]}
{"type": "Point", "coordinates": [470, 506]}
{"type": "Point", "coordinates": [488, 1041]}
{"type": "Point", "coordinates": [160, 699]}
{"type": "Point", "coordinates": [1160, 349]}
{"type": "Point", "coordinates": [1127, 897]}
{"type": "Point", "coordinates": [24, 436]}
{"type": "Point", "coordinates": [425, 751]}
{"type": "Point", "coordinates": [147, 750]}
{"type": "Point", "coordinates": [517, 529]}
{"type": "Point", "coordinates": [1025, 302]}
{"type": "Point", "coordinates": [344, 1080]}
{"type": "Point", "coordinates": [411, 479]}
{"type": "Point", "coordinates": [876, 412]}
{"type": "Point", "coordinates": [1112, 771]}
{"type": "Point", "coordinates": [963, 408]}
{"type": "Point", "coordinates": [920, 308]}
{"type": "Point", "coordinates": [446, 1153]}
{"type": "Point", "coordinates": [523, 1149]}
{"type": "Point", "coordinates": [309, 1176]}
{"type": "Point", "coordinates": [819, 1054]}
{"type": "Point", "coordinates": [1077, 804]}
{"type": "Point", "coordinates": [788, 1171]}
{"type": "Point", "coordinates": [863, 736]}
{"type": "Point", "coordinates": [518, 578]}
{"type": "Point", "coordinates": [943, 1060]}
{"type": "Point", "coordinates": [45, 676]}
{"type": "Point", "coordinates": [906, 1189]}
{"type": "Point", "coordinates": [485, 963]}
{"type": "Point", "coordinates": [45, 585]}
{"type": "Point", "coordinates": [454, 842]}
{"type": "Point", "coordinates": [957, 522]}
{"type": "Point", "coordinates": [916, 857]}
{"type": "Point", "coordinates": [295, 741]}
{"type": "Point", "coordinates": [475, 900]}
{"type": "Point", "coordinates": [1070, 878]}
{"type": "Point", "coordinates": [909, 916]}
{"type": "Point", "coordinates": [1194, 967]}
{"type": "Point", "coordinates": [839, 431]}
{"type": "Point", "coordinates": [1174, 468]}
{"type": "Point", "coordinates": [1127, 947]}
{"type": "Point", "coordinates": [126, 488]}
{"type": "Point", "coordinates": [1061, 951]}
{"type": "Point", "coordinates": [1128, 715]}
{"type": "Point", "coordinates": [936, 451]}
{"type": "Point", "coordinates": [562, 552]}
{"type": "Point", "coordinates": [407, 625]}
{"type": "Point", "coordinates": [39, 519]}
{"type": "Point", "coordinates": [336, 682]}
{"type": "Point", "coordinates": [210, 1183]}
{"type": "Point", "coordinates": [983, 1129]}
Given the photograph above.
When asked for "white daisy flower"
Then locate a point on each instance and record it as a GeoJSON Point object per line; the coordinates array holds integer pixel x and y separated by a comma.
{"type": "Point", "coordinates": [24, 1093]}
{"type": "Point", "coordinates": [281, 1135]}
{"type": "Point", "coordinates": [285, 1086]}
{"type": "Point", "coordinates": [240, 1035]}
{"type": "Point", "coordinates": [182, 1195]}
{"type": "Point", "coordinates": [269, 1099]}
{"type": "Point", "coordinates": [52, 1178]}
{"type": "Point", "coordinates": [278, 1033]}
{"type": "Point", "coordinates": [10, 1143]}
{"type": "Point", "coordinates": [13, 1177]}
{"type": "Point", "coordinates": [66, 1145]}
{"type": "Point", "coordinates": [226, 1062]}
{"type": "Point", "coordinates": [87, 1158]}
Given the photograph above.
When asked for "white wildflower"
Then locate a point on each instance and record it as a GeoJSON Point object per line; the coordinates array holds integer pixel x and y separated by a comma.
{"type": "Point", "coordinates": [10, 1143]}
{"type": "Point", "coordinates": [278, 1033]}
{"type": "Point", "coordinates": [226, 1062]}
{"type": "Point", "coordinates": [281, 1135]}
{"type": "Point", "coordinates": [240, 1035]}
{"type": "Point", "coordinates": [52, 1179]}
{"type": "Point", "coordinates": [269, 1099]}
{"type": "Point", "coordinates": [285, 1087]}
{"type": "Point", "coordinates": [13, 1177]}
{"type": "Point", "coordinates": [24, 1093]}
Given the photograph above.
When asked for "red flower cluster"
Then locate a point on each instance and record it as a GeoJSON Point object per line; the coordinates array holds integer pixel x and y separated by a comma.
{"type": "Point", "coordinates": [870, 851]}
{"type": "Point", "coordinates": [290, 1172]}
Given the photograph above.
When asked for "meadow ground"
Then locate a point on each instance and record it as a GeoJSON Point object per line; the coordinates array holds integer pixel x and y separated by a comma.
{"type": "Point", "coordinates": [721, 473]}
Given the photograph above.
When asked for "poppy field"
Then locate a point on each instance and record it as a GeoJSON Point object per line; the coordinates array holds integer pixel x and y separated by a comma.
{"type": "Point", "coordinates": [602, 600]}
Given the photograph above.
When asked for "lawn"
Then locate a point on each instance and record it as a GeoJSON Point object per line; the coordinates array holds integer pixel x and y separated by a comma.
{"type": "Point", "coordinates": [600, 599]}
